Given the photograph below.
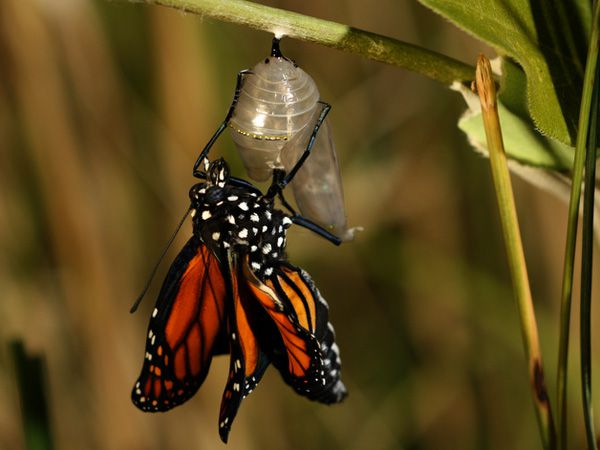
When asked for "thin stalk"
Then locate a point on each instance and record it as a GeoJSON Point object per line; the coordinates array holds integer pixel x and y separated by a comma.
{"type": "Point", "coordinates": [572, 220]}
{"type": "Point", "coordinates": [587, 247]}
{"type": "Point", "coordinates": [486, 90]}
{"type": "Point", "coordinates": [29, 373]}
{"type": "Point", "coordinates": [331, 34]}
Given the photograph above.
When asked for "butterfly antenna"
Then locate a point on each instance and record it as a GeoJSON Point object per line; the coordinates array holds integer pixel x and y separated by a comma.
{"type": "Point", "coordinates": [147, 286]}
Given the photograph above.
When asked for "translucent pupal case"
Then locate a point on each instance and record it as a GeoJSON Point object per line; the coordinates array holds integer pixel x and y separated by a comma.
{"type": "Point", "coordinates": [274, 118]}
{"type": "Point", "coordinates": [276, 101]}
{"type": "Point", "coordinates": [317, 186]}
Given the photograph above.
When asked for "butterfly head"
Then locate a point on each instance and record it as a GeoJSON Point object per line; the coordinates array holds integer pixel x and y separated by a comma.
{"type": "Point", "coordinates": [218, 173]}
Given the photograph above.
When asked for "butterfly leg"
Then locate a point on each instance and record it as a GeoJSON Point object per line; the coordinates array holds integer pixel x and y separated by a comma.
{"type": "Point", "coordinates": [240, 182]}
{"type": "Point", "coordinates": [236, 96]}
{"type": "Point", "coordinates": [310, 225]}
{"type": "Point", "coordinates": [276, 190]}
{"type": "Point", "coordinates": [311, 142]}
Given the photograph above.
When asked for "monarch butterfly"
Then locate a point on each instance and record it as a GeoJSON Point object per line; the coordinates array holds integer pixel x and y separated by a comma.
{"type": "Point", "coordinates": [232, 290]}
{"type": "Point", "coordinates": [277, 121]}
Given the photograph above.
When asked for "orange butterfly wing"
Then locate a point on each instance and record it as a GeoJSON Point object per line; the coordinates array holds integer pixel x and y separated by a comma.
{"type": "Point", "coordinates": [305, 353]}
{"type": "Point", "coordinates": [247, 361]}
{"type": "Point", "coordinates": [185, 330]}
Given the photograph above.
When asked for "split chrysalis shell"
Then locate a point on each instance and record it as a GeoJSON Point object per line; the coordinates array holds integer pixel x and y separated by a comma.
{"type": "Point", "coordinates": [277, 110]}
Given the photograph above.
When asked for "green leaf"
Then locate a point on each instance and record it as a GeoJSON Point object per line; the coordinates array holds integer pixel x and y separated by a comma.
{"type": "Point", "coordinates": [522, 143]}
{"type": "Point", "coordinates": [547, 38]}
{"type": "Point", "coordinates": [521, 140]}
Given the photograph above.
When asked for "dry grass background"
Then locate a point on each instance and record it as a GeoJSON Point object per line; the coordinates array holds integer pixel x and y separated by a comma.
{"type": "Point", "coordinates": [103, 109]}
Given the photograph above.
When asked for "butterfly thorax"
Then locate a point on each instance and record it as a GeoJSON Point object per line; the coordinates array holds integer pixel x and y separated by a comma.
{"type": "Point", "coordinates": [236, 218]}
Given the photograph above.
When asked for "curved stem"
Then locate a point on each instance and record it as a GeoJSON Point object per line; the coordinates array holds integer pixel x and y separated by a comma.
{"type": "Point", "coordinates": [331, 34]}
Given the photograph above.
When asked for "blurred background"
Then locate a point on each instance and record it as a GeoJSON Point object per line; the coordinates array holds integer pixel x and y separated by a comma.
{"type": "Point", "coordinates": [104, 107]}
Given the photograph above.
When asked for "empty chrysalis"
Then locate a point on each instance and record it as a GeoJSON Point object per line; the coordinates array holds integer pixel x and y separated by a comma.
{"type": "Point", "coordinates": [278, 123]}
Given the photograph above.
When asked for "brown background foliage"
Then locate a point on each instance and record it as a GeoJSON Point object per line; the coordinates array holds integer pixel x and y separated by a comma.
{"type": "Point", "coordinates": [103, 109]}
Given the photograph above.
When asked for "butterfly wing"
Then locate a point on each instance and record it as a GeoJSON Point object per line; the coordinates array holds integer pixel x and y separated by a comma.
{"type": "Point", "coordinates": [185, 330]}
{"type": "Point", "coordinates": [304, 350]}
{"type": "Point", "coordinates": [247, 361]}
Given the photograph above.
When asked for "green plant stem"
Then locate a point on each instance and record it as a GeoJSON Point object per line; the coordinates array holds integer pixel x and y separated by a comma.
{"type": "Point", "coordinates": [587, 248]}
{"type": "Point", "coordinates": [514, 248]}
{"type": "Point", "coordinates": [30, 374]}
{"type": "Point", "coordinates": [572, 219]}
{"type": "Point", "coordinates": [331, 34]}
